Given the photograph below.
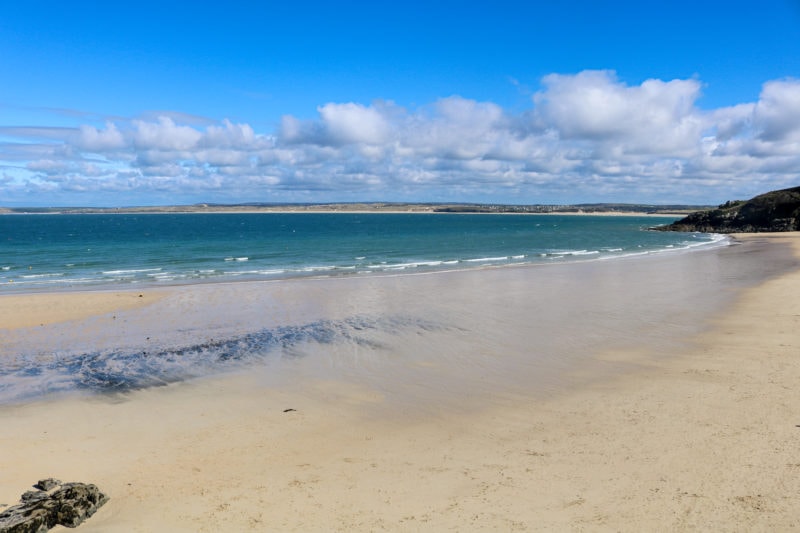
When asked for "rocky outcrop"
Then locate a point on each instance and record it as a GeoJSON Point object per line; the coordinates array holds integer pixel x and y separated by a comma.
{"type": "Point", "coordinates": [773, 211]}
{"type": "Point", "coordinates": [53, 503]}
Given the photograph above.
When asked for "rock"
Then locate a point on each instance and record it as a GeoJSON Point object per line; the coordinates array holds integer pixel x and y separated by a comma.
{"type": "Point", "coordinates": [773, 211]}
{"type": "Point", "coordinates": [33, 496]}
{"type": "Point", "coordinates": [47, 484]}
{"type": "Point", "coordinates": [67, 504]}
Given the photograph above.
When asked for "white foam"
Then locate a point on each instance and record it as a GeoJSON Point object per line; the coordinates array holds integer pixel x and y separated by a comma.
{"type": "Point", "coordinates": [716, 241]}
{"type": "Point", "coordinates": [38, 276]}
{"type": "Point", "coordinates": [487, 259]}
{"type": "Point", "coordinates": [322, 268]}
{"type": "Point", "coordinates": [415, 264]}
{"type": "Point", "coordinates": [129, 271]}
{"type": "Point", "coordinates": [575, 252]}
{"type": "Point", "coordinates": [163, 276]}
{"type": "Point", "coordinates": [258, 272]}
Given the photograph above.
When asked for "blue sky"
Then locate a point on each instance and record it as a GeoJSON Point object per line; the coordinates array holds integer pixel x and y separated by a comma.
{"type": "Point", "coordinates": [516, 102]}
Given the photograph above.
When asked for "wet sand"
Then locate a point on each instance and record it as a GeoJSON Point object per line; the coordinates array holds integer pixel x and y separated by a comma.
{"type": "Point", "coordinates": [693, 426]}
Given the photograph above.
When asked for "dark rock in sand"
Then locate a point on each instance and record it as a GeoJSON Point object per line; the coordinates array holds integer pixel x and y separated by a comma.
{"type": "Point", "coordinates": [47, 484]}
{"type": "Point", "coordinates": [773, 211]}
{"type": "Point", "coordinates": [67, 504]}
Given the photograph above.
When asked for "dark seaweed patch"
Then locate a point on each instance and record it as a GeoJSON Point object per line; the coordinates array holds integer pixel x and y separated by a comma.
{"type": "Point", "coordinates": [114, 371]}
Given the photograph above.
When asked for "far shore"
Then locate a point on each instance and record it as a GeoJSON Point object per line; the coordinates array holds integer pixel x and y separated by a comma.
{"type": "Point", "coordinates": [367, 208]}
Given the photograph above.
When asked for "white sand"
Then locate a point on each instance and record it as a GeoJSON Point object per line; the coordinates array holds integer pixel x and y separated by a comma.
{"type": "Point", "coordinates": [706, 439]}
{"type": "Point", "coordinates": [21, 311]}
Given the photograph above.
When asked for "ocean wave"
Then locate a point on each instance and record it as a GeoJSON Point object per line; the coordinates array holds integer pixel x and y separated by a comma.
{"type": "Point", "coordinates": [411, 264]}
{"type": "Point", "coordinates": [265, 272]}
{"type": "Point", "coordinates": [54, 281]}
{"type": "Point", "coordinates": [715, 241]}
{"type": "Point", "coordinates": [318, 268]}
{"type": "Point", "coordinates": [168, 276]}
{"type": "Point", "coordinates": [40, 276]}
{"type": "Point", "coordinates": [487, 259]}
{"type": "Point", "coordinates": [567, 253]}
{"type": "Point", "coordinates": [132, 271]}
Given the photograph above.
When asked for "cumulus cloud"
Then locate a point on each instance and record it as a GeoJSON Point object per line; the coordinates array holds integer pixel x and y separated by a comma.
{"type": "Point", "coordinates": [586, 137]}
{"type": "Point", "coordinates": [229, 135]}
{"type": "Point", "coordinates": [339, 124]}
{"type": "Point", "coordinates": [353, 123]}
{"type": "Point", "coordinates": [777, 114]}
{"type": "Point", "coordinates": [164, 135]}
{"type": "Point", "coordinates": [654, 117]}
{"type": "Point", "coordinates": [595, 104]}
{"type": "Point", "coordinates": [92, 139]}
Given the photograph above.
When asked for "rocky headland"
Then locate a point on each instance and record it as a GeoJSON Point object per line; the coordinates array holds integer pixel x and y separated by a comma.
{"type": "Point", "coordinates": [769, 212]}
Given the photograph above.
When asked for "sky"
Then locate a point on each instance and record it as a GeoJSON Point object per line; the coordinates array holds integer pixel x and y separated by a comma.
{"type": "Point", "coordinates": [522, 102]}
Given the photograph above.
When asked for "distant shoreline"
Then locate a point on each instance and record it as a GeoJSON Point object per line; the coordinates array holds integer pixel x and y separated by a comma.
{"type": "Point", "coordinates": [377, 207]}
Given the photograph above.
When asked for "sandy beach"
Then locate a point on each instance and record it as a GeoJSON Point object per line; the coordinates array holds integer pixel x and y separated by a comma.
{"type": "Point", "coordinates": [21, 311]}
{"type": "Point", "coordinates": [703, 437]}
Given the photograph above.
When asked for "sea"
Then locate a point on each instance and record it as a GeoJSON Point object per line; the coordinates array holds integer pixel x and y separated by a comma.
{"type": "Point", "coordinates": [41, 252]}
{"type": "Point", "coordinates": [422, 310]}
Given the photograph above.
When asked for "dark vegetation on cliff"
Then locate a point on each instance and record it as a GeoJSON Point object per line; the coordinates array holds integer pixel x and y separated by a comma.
{"type": "Point", "coordinates": [773, 211]}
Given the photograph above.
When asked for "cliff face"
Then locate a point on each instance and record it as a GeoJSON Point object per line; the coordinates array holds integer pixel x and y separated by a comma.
{"type": "Point", "coordinates": [773, 211]}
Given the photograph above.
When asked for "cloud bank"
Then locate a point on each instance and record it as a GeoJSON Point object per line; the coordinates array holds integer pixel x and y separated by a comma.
{"type": "Point", "coordinates": [585, 137]}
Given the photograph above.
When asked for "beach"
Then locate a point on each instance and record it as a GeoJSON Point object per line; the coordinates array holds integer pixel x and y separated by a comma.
{"type": "Point", "coordinates": [650, 404]}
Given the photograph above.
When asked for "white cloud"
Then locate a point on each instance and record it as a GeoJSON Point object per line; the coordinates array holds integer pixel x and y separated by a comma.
{"type": "Point", "coordinates": [654, 117]}
{"type": "Point", "coordinates": [92, 139]}
{"type": "Point", "coordinates": [47, 166]}
{"type": "Point", "coordinates": [164, 135]}
{"type": "Point", "coordinates": [353, 123]}
{"type": "Point", "coordinates": [587, 136]}
{"type": "Point", "coordinates": [455, 128]}
{"type": "Point", "coordinates": [229, 135]}
{"type": "Point", "coordinates": [777, 114]}
{"type": "Point", "coordinates": [338, 125]}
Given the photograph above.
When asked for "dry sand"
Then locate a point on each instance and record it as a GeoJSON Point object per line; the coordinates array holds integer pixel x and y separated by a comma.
{"type": "Point", "coordinates": [705, 440]}
{"type": "Point", "coordinates": [21, 311]}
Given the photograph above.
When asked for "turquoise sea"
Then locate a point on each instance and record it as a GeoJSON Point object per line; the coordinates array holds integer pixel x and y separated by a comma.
{"type": "Point", "coordinates": [57, 252]}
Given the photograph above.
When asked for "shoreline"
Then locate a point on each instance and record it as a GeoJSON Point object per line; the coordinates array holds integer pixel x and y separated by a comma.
{"type": "Point", "coordinates": [703, 438]}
